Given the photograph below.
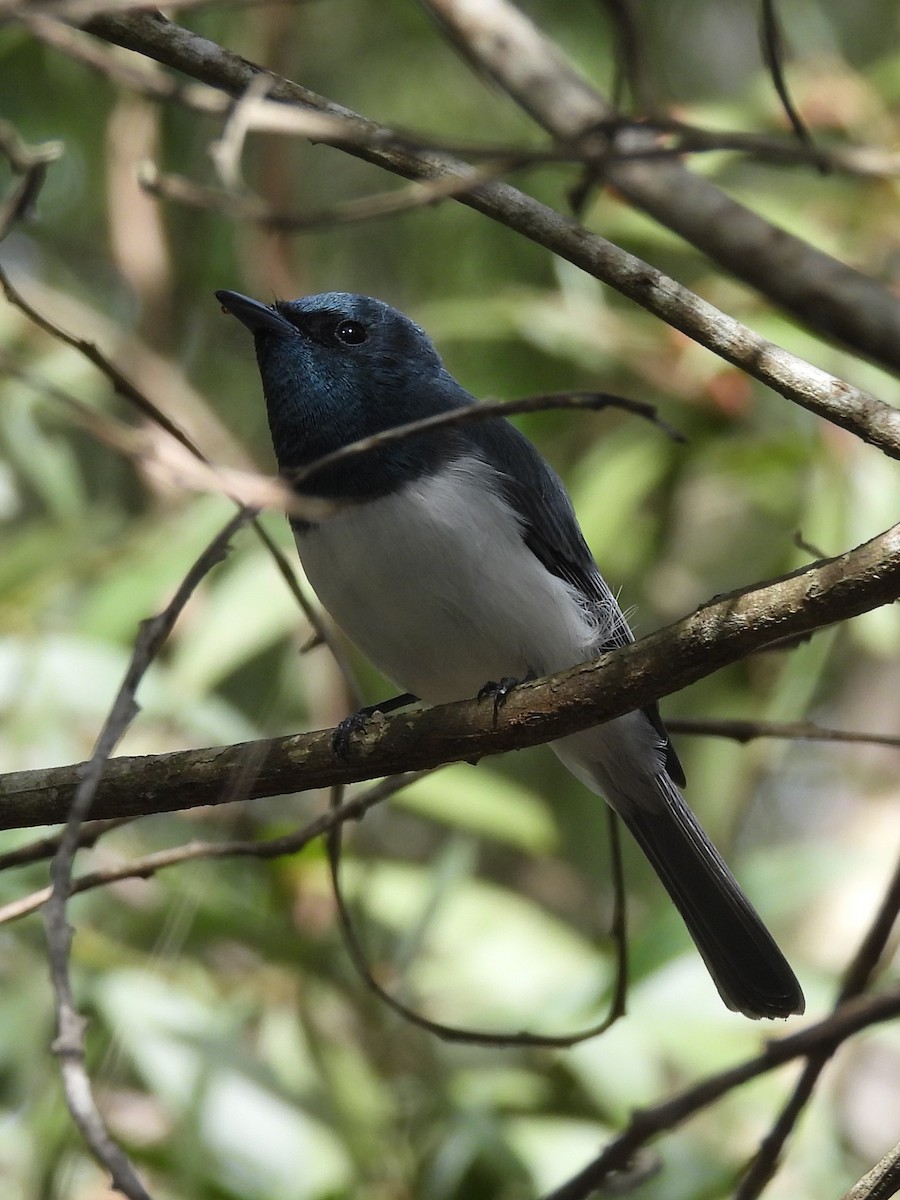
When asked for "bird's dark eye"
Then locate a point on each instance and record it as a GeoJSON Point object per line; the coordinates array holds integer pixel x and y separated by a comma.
{"type": "Point", "coordinates": [351, 333]}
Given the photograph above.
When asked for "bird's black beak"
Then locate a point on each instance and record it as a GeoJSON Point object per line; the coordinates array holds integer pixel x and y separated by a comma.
{"type": "Point", "coordinates": [258, 318]}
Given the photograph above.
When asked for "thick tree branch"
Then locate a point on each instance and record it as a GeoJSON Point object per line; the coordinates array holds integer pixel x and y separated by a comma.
{"type": "Point", "coordinates": [817, 289]}
{"type": "Point", "coordinates": [821, 393]}
{"type": "Point", "coordinates": [720, 632]}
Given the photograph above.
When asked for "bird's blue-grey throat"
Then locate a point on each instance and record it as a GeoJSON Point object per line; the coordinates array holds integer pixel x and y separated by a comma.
{"type": "Point", "coordinates": [460, 560]}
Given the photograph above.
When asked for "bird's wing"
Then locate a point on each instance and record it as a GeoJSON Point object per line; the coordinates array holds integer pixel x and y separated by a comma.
{"type": "Point", "coordinates": [551, 532]}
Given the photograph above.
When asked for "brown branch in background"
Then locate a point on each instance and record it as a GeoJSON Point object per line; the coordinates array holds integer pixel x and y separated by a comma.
{"type": "Point", "coordinates": [723, 631]}
{"type": "Point", "coordinates": [453, 1033]}
{"type": "Point", "coordinates": [170, 464]}
{"type": "Point", "coordinates": [857, 979]}
{"type": "Point", "coordinates": [671, 138]}
{"type": "Point", "coordinates": [28, 162]}
{"type": "Point", "coordinates": [83, 10]}
{"type": "Point", "coordinates": [42, 848]}
{"type": "Point", "coordinates": [677, 139]}
{"type": "Point", "coordinates": [647, 1123]}
{"type": "Point", "coordinates": [821, 393]}
{"type": "Point", "coordinates": [819, 290]}
{"type": "Point", "coordinates": [882, 1182]}
{"type": "Point", "coordinates": [246, 207]}
{"type": "Point", "coordinates": [739, 729]}
{"type": "Point", "coordinates": [734, 728]}
{"type": "Point", "coordinates": [772, 40]}
{"type": "Point", "coordinates": [147, 865]}
{"type": "Point", "coordinates": [68, 1045]}
{"type": "Point", "coordinates": [146, 78]}
{"type": "Point", "coordinates": [123, 386]}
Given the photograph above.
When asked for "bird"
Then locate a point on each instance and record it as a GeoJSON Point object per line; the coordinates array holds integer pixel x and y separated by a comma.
{"type": "Point", "coordinates": [453, 558]}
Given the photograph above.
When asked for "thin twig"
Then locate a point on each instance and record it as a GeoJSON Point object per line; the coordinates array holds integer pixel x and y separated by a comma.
{"type": "Point", "coordinates": [454, 1033]}
{"type": "Point", "coordinates": [238, 206]}
{"type": "Point", "coordinates": [648, 1123]}
{"type": "Point", "coordinates": [857, 978]}
{"type": "Point", "coordinates": [148, 865]}
{"type": "Point", "coordinates": [739, 729]}
{"type": "Point", "coordinates": [850, 321]}
{"type": "Point", "coordinates": [45, 847]}
{"type": "Point", "coordinates": [772, 40]}
{"type": "Point", "coordinates": [124, 387]}
{"type": "Point", "coordinates": [30, 163]}
{"type": "Point", "coordinates": [594, 401]}
{"type": "Point", "coordinates": [170, 464]}
{"type": "Point", "coordinates": [68, 1045]}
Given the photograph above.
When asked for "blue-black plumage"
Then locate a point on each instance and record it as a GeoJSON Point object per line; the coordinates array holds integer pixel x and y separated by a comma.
{"type": "Point", "coordinates": [460, 560]}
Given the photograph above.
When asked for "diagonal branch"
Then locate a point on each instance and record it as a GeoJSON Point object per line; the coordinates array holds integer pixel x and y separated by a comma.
{"type": "Point", "coordinates": [68, 1045]}
{"type": "Point", "coordinates": [857, 979]}
{"type": "Point", "coordinates": [819, 290]}
{"type": "Point", "coordinates": [721, 632]}
{"type": "Point", "coordinates": [803, 384]}
{"type": "Point", "coordinates": [647, 1123]}
{"type": "Point", "coordinates": [882, 1182]}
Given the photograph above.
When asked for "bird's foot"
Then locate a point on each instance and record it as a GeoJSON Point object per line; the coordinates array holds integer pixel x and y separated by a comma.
{"type": "Point", "coordinates": [500, 690]}
{"type": "Point", "coordinates": [356, 722]}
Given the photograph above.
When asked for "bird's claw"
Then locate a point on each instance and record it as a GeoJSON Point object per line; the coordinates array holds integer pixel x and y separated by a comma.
{"type": "Point", "coordinates": [340, 739]}
{"type": "Point", "coordinates": [499, 689]}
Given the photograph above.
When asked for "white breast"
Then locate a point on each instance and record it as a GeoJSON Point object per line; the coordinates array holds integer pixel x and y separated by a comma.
{"type": "Point", "coordinates": [435, 585]}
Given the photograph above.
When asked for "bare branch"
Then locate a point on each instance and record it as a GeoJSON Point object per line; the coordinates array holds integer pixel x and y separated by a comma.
{"type": "Point", "coordinates": [819, 290]}
{"type": "Point", "coordinates": [260, 486]}
{"type": "Point", "coordinates": [594, 401]}
{"type": "Point", "coordinates": [69, 1042]}
{"type": "Point", "coordinates": [857, 979]}
{"type": "Point", "coordinates": [148, 865]}
{"type": "Point", "coordinates": [30, 163]}
{"type": "Point", "coordinates": [453, 1033]}
{"type": "Point", "coordinates": [723, 631]}
{"type": "Point", "coordinates": [821, 393]}
{"type": "Point", "coordinates": [648, 1123]}
{"type": "Point", "coordinates": [745, 730]}
{"type": "Point", "coordinates": [247, 207]}
{"type": "Point", "coordinates": [882, 1182]}
{"type": "Point", "coordinates": [45, 847]}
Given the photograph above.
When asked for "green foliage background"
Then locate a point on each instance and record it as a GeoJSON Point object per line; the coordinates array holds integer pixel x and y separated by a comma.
{"type": "Point", "coordinates": [235, 1052]}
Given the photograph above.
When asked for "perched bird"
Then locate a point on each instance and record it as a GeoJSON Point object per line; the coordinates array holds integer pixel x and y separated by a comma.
{"type": "Point", "coordinates": [459, 560]}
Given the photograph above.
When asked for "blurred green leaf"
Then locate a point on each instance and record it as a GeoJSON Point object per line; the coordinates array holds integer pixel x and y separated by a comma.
{"type": "Point", "coordinates": [485, 802]}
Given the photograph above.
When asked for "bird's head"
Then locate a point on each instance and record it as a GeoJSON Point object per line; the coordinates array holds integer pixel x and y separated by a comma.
{"type": "Point", "coordinates": [338, 367]}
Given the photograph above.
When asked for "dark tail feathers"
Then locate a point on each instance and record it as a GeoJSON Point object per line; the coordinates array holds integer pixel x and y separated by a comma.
{"type": "Point", "coordinates": [751, 973]}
